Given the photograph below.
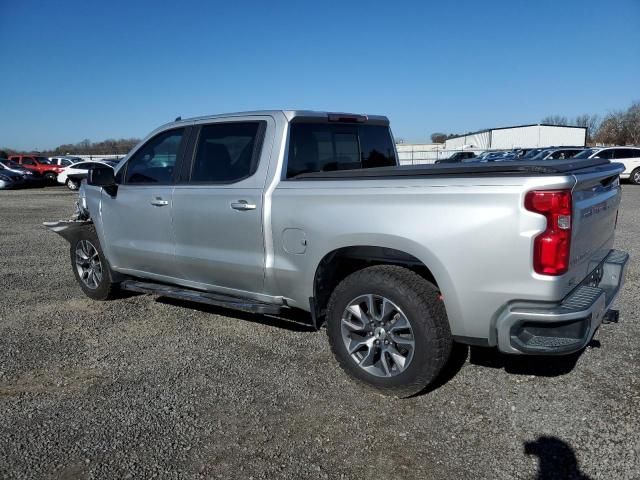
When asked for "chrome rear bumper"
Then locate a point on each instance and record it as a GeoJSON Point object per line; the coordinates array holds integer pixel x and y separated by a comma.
{"type": "Point", "coordinates": [544, 329]}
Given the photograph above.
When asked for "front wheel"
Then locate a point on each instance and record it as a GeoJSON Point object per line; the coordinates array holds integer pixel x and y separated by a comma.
{"type": "Point", "coordinates": [72, 185]}
{"type": "Point", "coordinates": [50, 177]}
{"type": "Point", "coordinates": [388, 329]}
{"type": "Point", "coordinates": [90, 266]}
{"type": "Point", "coordinates": [635, 176]}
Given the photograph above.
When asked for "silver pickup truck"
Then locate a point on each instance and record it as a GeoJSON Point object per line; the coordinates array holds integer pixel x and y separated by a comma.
{"type": "Point", "coordinates": [271, 210]}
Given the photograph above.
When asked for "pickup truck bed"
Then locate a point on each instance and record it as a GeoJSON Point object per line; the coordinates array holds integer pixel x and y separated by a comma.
{"type": "Point", "coordinates": [514, 168]}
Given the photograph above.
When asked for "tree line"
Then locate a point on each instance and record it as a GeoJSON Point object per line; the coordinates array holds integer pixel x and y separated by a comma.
{"type": "Point", "coordinates": [110, 146]}
{"type": "Point", "coordinates": [621, 127]}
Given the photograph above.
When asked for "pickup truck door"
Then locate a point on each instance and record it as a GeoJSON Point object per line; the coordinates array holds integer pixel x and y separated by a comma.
{"type": "Point", "coordinates": [137, 219]}
{"type": "Point", "coordinates": [218, 206]}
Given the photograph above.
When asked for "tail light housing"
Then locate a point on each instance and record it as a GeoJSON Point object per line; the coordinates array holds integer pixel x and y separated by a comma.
{"type": "Point", "coordinates": [551, 248]}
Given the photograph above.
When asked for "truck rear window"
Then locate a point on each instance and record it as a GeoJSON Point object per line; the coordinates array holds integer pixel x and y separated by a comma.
{"type": "Point", "coordinates": [323, 147]}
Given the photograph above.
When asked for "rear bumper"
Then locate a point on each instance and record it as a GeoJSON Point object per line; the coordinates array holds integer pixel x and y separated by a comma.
{"type": "Point", "coordinates": [568, 326]}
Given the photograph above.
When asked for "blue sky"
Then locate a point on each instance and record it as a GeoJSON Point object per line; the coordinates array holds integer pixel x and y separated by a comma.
{"type": "Point", "coordinates": [87, 69]}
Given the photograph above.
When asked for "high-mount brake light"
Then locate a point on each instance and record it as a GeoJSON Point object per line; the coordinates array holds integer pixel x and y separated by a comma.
{"type": "Point", "coordinates": [551, 248]}
{"type": "Point", "coordinates": [347, 118]}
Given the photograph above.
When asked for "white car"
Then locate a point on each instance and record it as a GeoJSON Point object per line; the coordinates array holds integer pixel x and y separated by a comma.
{"type": "Point", "coordinates": [64, 161]}
{"type": "Point", "coordinates": [628, 156]}
{"type": "Point", "coordinates": [72, 175]}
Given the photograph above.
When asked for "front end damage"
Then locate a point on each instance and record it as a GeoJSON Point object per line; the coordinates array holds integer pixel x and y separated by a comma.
{"type": "Point", "coordinates": [69, 229]}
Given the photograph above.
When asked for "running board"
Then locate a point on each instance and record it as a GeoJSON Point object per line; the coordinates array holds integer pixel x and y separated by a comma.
{"type": "Point", "coordinates": [219, 300]}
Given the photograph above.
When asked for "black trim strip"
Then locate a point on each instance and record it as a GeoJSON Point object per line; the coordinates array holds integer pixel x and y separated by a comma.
{"type": "Point", "coordinates": [544, 167]}
{"type": "Point", "coordinates": [474, 341]}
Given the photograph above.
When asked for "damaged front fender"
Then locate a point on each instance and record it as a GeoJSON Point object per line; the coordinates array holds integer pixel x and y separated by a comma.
{"type": "Point", "coordinates": [68, 229]}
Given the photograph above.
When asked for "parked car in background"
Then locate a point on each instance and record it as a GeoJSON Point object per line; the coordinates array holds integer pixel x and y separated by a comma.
{"type": "Point", "coordinates": [457, 157]}
{"type": "Point", "coordinates": [40, 164]}
{"type": "Point", "coordinates": [521, 152]}
{"type": "Point", "coordinates": [530, 153]}
{"type": "Point", "coordinates": [73, 175]}
{"type": "Point", "coordinates": [31, 178]}
{"type": "Point", "coordinates": [557, 153]}
{"type": "Point", "coordinates": [493, 156]}
{"type": "Point", "coordinates": [628, 156]}
{"type": "Point", "coordinates": [65, 160]}
{"type": "Point", "coordinates": [9, 180]}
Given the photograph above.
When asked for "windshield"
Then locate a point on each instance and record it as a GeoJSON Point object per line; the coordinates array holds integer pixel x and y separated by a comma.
{"type": "Point", "coordinates": [532, 153]}
{"type": "Point", "coordinates": [9, 163]}
{"type": "Point", "coordinates": [541, 155]}
{"type": "Point", "coordinates": [586, 153]}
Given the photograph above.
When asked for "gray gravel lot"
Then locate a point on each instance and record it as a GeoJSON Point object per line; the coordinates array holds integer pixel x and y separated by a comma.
{"type": "Point", "coordinates": [142, 387]}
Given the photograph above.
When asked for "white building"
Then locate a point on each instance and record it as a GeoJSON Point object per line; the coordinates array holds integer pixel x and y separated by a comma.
{"type": "Point", "coordinates": [522, 136]}
{"type": "Point", "coordinates": [506, 138]}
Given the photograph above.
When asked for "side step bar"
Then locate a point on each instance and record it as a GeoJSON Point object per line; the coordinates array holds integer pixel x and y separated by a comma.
{"type": "Point", "coordinates": [219, 300]}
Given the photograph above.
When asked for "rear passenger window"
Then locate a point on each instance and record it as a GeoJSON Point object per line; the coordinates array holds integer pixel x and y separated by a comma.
{"type": "Point", "coordinates": [227, 152]}
{"type": "Point", "coordinates": [323, 147]}
{"type": "Point", "coordinates": [155, 161]}
{"type": "Point", "coordinates": [606, 154]}
{"type": "Point", "coordinates": [623, 153]}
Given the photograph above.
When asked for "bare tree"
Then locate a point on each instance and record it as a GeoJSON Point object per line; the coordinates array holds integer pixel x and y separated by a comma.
{"type": "Point", "coordinates": [631, 123]}
{"type": "Point", "coordinates": [555, 120]}
{"type": "Point", "coordinates": [438, 137]}
{"type": "Point", "coordinates": [612, 131]}
{"type": "Point", "coordinates": [591, 122]}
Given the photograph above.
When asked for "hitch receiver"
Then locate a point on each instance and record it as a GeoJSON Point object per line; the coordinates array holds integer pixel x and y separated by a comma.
{"type": "Point", "coordinates": [612, 316]}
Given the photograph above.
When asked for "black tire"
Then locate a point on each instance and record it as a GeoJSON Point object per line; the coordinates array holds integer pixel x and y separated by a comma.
{"type": "Point", "coordinates": [72, 184]}
{"type": "Point", "coordinates": [50, 177]}
{"type": "Point", "coordinates": [106, 287]}
{"type": "Point", "coordinates": [635, 177]}
{"type": "Point", "coordinates": [419, 301]}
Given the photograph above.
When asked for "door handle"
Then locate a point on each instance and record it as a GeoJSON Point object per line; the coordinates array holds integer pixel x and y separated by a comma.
{"type": "Point", "coordinates": [243, 205]}
{"type": "Point", "coordinates": [158, 202]}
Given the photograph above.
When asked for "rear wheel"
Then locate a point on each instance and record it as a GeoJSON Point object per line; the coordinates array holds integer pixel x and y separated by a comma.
{"type": "Point", "coordinates": [50, 177]}
{"type": "Point", "coordinates": [635, 176]}
{"type": "Point", "coordinates": [90, 267]}
{"type": "Point", "coordinates": [389, 330]}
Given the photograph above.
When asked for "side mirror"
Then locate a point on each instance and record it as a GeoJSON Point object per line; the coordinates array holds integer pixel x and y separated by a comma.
{"type": "Point", "coordinates": [105, 177]}
{"type": "Point", "coordinates": [101, 177]}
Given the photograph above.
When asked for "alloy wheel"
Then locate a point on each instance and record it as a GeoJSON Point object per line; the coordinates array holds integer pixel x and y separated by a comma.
{"type": "Point", "coordinates": [377, 335]}
{"type": "Point", "coordinates": [88, 264]}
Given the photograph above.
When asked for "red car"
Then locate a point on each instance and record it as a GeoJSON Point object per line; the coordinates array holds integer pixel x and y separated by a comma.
{"type": "Point", "coordinates": [38, 164]}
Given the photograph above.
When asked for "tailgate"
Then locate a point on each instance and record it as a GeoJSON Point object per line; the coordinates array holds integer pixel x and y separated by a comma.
{"type": "Point", "coordinates": [596, 198]}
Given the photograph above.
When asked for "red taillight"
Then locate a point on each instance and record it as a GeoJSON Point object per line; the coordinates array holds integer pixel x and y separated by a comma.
{"type": "Point", "coordinates": [551, 248]}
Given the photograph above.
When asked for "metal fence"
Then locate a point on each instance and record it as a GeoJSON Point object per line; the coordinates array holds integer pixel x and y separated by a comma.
{"type": "Point", "coordinates": [417, 157]}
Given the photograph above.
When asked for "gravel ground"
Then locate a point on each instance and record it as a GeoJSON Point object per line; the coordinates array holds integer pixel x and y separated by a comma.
{"type": "Point", "coordinates": [142, 387]}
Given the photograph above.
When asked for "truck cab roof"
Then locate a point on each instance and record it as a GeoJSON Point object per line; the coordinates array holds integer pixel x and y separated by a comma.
{"type": "Point", "coordinates": [289, 114]}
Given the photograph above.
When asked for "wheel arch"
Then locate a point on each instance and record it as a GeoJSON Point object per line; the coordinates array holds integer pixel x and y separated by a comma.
{"type": "Point", "coordinates": [341, 262]}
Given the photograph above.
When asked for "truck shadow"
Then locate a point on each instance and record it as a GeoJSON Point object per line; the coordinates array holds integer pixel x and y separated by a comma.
{"type": "Point", "coordinates": [457, 360]}
{"type": "Point", "coordinates": [540, 366]}
{"type": "Point", "coordinates": [293, 320]}
{"type": "Point", "coordinates": [556, 459]}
